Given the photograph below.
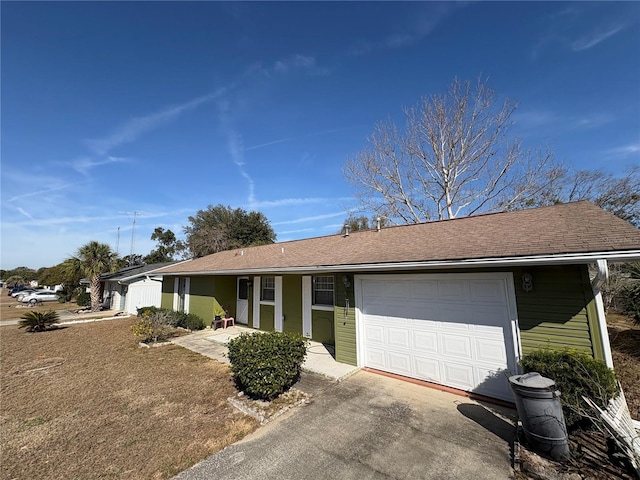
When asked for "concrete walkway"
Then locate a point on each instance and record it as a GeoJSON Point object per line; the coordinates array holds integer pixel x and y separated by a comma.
{"type": "Point", "coordinates": [212, 343]}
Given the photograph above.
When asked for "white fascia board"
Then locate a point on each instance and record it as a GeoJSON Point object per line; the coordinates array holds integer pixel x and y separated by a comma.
{"type": "Point", "coordinates": [563, 259]}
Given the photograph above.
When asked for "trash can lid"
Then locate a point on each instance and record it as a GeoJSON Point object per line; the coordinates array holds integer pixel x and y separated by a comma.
{"type": "Point", "coordinates": [532, 380]}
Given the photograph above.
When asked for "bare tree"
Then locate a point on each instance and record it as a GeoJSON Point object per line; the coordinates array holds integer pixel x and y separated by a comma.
{"type": "Point", "coordinates": [454, 158]}
{"type": "Point", "coordinates": [619, 195]}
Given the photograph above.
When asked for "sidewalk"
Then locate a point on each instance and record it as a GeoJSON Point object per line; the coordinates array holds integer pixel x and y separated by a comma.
{"type": "Point", "coordinates": [212, 343]}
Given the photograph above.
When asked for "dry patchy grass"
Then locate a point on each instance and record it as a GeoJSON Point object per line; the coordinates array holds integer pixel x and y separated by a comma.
{"type": "Point", "coordinates": [84, 401]}
{"type": "Point", "coordinates": [625, 348]}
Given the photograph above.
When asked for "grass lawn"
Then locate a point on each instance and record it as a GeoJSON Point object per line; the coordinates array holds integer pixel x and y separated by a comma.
{"type": "Point", "coordinates": [85, 401]}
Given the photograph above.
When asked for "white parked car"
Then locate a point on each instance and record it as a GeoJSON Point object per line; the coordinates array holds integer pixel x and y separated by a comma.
{"type": "Point", "coordinates": [40, 296]}
{"type": "Point", "coordinates": [22, 292]}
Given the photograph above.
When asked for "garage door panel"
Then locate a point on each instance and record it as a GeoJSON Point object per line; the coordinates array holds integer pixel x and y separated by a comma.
{"type": "Point", "coordinates": [456, 346]}
{"type": "Point", "coordinates": [424, 290]}
{"type": "Point", "coordinates": [427, 368]}
{"type": "Point", "coordinates": [491, 351]}
{"type": "Point", "coordinates": [452, 329]}
{"type": "Point", "coordinates": [425, 342]}
{"type": "Point", "coordinates": [458, 375]}
{"type": "Point", "coordinates": [400, 362]}
{"type": "Point", "coordinates": [487, 291]}
{"type": "Point", "coordinates": [375, 358]}
{"type": "Point", "coordinates": [374, 334]}
{"type": "Point", "coordinates": [398, 337]}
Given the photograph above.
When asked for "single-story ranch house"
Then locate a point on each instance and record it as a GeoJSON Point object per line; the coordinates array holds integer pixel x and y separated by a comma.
{"type": "Point", "coordinates": [455, 302]}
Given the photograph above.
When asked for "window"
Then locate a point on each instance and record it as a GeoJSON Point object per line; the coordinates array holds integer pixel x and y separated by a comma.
{"type": "Point", "coordinates": [323, 291]}
{"type": "Point", "coordinates": [268, 289]}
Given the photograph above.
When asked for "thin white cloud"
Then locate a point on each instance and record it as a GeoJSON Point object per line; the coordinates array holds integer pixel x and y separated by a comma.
{"type": "Point", "coordinates": [416, 28]}
{"type": "Point", "coordinates": [85, 164]}
{"type": "Point", "coordinates": [311, 219]}
{"type": "Point", "coordinates": [594, 38]}
{"type": "Point", "coordinates": [133, 128]}
{"type": "Point", "coordinates": [287, 202]}
{"type": "Point", "coordinates": [625, 150]}
{"type": "Point", "coordinates": [39, 192]}
{"type": "Point", "coordinates": [24, 212]}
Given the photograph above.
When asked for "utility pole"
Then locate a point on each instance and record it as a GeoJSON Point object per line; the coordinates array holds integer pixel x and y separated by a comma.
{"type": "Point", "coordinates": [133, 233]}
{"type": "Point", "coordinates": [118, 243]}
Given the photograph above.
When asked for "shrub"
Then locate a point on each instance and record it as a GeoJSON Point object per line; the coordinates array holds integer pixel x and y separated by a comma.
{"type": "Point", "coordinates": [575, 374]}
{"type": "Point", "coordinates": [142, 310]}
{"type": "Point", "coordinates": [83, 299]}
{"type": "Point", "coordinates": [631, 302]}
{"type": "Point", "coordinates": [154, 326]}
{"type": "Point", "coordinates": [173, 318]}
{"type": "Point", "coordinates": [266, 364]}
{"type": "Point", "coordinates": [192, 322]}
{"type": "Point", "coordinates": [39, 321]}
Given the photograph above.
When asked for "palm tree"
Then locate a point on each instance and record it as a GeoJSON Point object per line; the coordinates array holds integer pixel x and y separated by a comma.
{"type": "Point", "coordinates": [38, 321]}
{"type": "Point", "coordinates": [92, 260]}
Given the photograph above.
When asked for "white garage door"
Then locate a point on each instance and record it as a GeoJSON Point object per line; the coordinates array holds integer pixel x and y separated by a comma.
{"type": "Point", "coordinates": [451, 329]}
{"type": "Point", "coordinates": [145, 293]}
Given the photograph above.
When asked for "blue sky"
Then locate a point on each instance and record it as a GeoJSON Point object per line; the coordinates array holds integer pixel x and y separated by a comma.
{"type": "Point", "coordinates": [164, 108]}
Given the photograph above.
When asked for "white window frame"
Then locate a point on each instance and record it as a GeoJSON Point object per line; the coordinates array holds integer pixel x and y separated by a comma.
{"type": "Point", "coordinates": [263, 287]}
{"type": "Point", "coordinates": [320, 306]}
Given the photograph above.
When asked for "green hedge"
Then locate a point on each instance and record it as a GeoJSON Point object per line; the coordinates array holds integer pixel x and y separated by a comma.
{"type": "Point", "coordinates": [266, 365]}
{"type": "Point", "coordinates": [575, 374]}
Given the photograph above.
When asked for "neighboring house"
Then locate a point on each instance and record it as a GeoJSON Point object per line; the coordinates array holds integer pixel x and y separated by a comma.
{"type": "Point", "coordinates": [133, 287]}
{"type": "Point", "coordinates": [456, 302]}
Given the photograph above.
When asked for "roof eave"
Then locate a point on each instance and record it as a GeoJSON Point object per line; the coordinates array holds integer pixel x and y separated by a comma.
{"type": "Point", "coordinates": [556, 259]}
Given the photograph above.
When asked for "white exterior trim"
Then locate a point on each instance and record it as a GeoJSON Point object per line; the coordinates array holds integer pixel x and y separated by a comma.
{"type": "Point", "coordinates": [176, 286]}
{"type": "Point", "coordinates": [278, 317]}
{"type": "Point", "coordinates": [256, 302]}
{"type": "Point", "coordinates": [307, 329]}
{"type": "Point", "coordinates": [187, 296]}
{"type": "Point", "coordinates": [600, 279]}
{"type": "Point", "coordinates": [325, 308]}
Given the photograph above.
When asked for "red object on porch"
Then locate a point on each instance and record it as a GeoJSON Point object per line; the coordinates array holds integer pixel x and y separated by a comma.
{"type": "Point", "coordinates": [227, 321]}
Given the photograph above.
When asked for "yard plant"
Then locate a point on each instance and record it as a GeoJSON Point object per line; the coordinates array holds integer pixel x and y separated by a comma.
{"type": "Point", "coordinates": [575, 374]}
{"type": "Point", "coordinates": [266, 365]}
{"type": "Point", "coordinates": [159, 324]}
{"type": "Point", "coordinates": [39, 321]}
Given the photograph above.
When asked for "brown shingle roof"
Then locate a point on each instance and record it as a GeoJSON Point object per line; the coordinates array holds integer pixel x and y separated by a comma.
{"type": "Point", "coordinates": [572, 228]}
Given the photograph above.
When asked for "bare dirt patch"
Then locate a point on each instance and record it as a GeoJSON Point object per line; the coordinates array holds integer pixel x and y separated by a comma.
{"type": "Point", "coordinates": [86, 402]}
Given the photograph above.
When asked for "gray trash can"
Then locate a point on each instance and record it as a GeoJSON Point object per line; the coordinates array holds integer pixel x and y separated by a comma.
{"type": "Point", "coordinates": [540, 411]}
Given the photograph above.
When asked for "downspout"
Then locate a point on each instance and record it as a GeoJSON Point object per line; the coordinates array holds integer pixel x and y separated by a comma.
{"type": "Point", "coordinates": [602, 275]}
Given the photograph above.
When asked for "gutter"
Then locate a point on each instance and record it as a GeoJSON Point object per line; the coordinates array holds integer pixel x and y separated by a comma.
{"type": "Point", "coordinates": [563, 259]}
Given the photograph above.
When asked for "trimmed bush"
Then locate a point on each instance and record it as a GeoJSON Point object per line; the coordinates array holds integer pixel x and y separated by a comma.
{"type": "Point", "coordinates": [575, 374]}
{"type": "Point", "coordinates": [142, 310]}
{"type": "Point", "coordinates": [39, 321]}
{"type": "Point", "coordinates": [266, 364]}
{"type": "Point", "coordinates": [84, 299]}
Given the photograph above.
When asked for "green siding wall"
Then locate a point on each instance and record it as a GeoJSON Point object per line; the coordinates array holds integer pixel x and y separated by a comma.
{"type": "Point", "coordinates": [166, 300]}
{"type": "Point", "coordinates": [556, 313]}
{"type": "Point", "coordinates": [292, 303]}
{"type": "Point", "coordinates": [322, 327]}
{"type": "Point", "coordinates": [201, 298]}
{"type": "Point", "coordinates": [266, 318]}
{"type": "Point", "coordinates": [345, 325]}
{"type": "Point", "coordinates": [225, 293]}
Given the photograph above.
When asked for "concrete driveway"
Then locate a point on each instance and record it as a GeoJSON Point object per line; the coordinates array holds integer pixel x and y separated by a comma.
{"type": "Point", "coordinates": [372, 427]}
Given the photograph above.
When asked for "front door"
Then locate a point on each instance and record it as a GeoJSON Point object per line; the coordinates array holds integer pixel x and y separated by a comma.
{"type": "Point", "coordinates": [242, 305]}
